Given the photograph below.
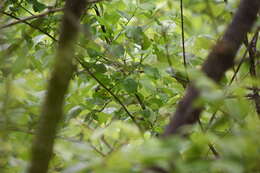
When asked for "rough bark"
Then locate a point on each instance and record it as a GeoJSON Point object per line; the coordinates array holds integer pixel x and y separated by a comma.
{"type": "Point", "coordinates": [51, 114]}
{"type": "Point", "coordinates": [220, 59]}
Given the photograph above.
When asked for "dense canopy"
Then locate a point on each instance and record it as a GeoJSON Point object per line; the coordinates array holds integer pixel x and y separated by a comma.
{"type": "Point", "coordinates": [129, 86]}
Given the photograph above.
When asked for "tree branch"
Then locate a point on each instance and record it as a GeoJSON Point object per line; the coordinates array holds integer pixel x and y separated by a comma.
{"type": "Point", "coordinates": [18, 20]}
{"type": "Point", "coordinates": [25, 19]}
{"type": "Point", "coordinates": [183, 36]}
{"type": "Point", "coordinates": [111, 93]}
{"type": "Point", "coordinates": [220, 59]}
{"type": "Point", "coordinates": [29, 24]}
{"type": "Point", "coordinates": [252, 57]}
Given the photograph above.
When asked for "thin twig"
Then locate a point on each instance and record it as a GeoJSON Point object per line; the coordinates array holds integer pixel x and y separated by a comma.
{"type": "Point", "coordinates": [128, 21]}
{"type": "Point", "coordinates": [242, 59]}
{"type": "Point", "coordinates": [30, 132]}
{"type": "Point", "coordinates": [108, 41]}
{"type": "Point", "coordinates": [211, 120]}
{"type": "Point", "coordinates": [28, 11]}
{"type": "Point", "coordinates": [183, 39]}
{"type": "Point", "coordinates": [103, 139]}
{"type": "Point", "coordinates": [97, 150]}
{"type": "Point", "coordinates": [110, 92]}
{"type": "Point", "coordinates": [211, 147]}
{"type": "Point", "coordinates": [140, 101]}
{"type": "Point", "coordinates": [103, 28]}
{"type": "Point", "coordinates": [252, 56]}
{"type": "Point", "coordinates": [31, 25]}
{"type": "Point", "coordinates": [214, 151]}
{"type": "Point", "coordinates": [252, 88]}
{"type": "Point", "coordinates": [22, 20]}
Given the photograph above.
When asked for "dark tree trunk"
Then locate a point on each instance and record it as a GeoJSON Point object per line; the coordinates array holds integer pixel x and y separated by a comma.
{"type": "Point", "coordinates": [220, 59]}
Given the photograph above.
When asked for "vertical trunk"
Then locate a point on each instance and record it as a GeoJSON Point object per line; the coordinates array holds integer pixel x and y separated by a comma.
{"type": "Point", "coordinates": [51, 114]}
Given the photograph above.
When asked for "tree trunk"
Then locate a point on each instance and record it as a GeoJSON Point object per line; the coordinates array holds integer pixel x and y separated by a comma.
{"type": "Point", "coordinates": [51, 114]}
{"type": "Point", "coordinates": [220, 59]}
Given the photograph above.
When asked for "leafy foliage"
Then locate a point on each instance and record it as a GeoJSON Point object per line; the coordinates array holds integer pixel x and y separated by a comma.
{"type": "Point", "coordinates": [128, 65]}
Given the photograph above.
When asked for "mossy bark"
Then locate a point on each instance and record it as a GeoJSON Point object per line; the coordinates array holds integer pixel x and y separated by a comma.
{"type": "Point", "coordinates": [51, 115]}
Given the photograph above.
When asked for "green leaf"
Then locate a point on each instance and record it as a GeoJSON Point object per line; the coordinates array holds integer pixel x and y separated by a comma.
{"type": "Point", "coordinates": [124, 14]}
{"type": "Point", "coordinates": [100, 68]}
{"type": "Point", "coordinates": [103, 117]}
{"type": "Point", "coordinates": [37, 6]}
{"type": "Point", "coordinates": [147, 6]}
{"type": "Point", "coordinates": [116, 50]}
{"type": "Point", "coordinates": [130, 85]}
{"type": "Point", "coordinates": [73, 112]}
{"type": "Point", "coordinates": [152, 72]}
{"type": "Point", "coordinates": [135, 33]}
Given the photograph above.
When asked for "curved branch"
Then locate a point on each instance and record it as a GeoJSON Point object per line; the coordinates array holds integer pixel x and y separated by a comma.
{"type": "Point", "coordinates": [220, 59]}
{"type": "Point", "coordinates": [111, 93]}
